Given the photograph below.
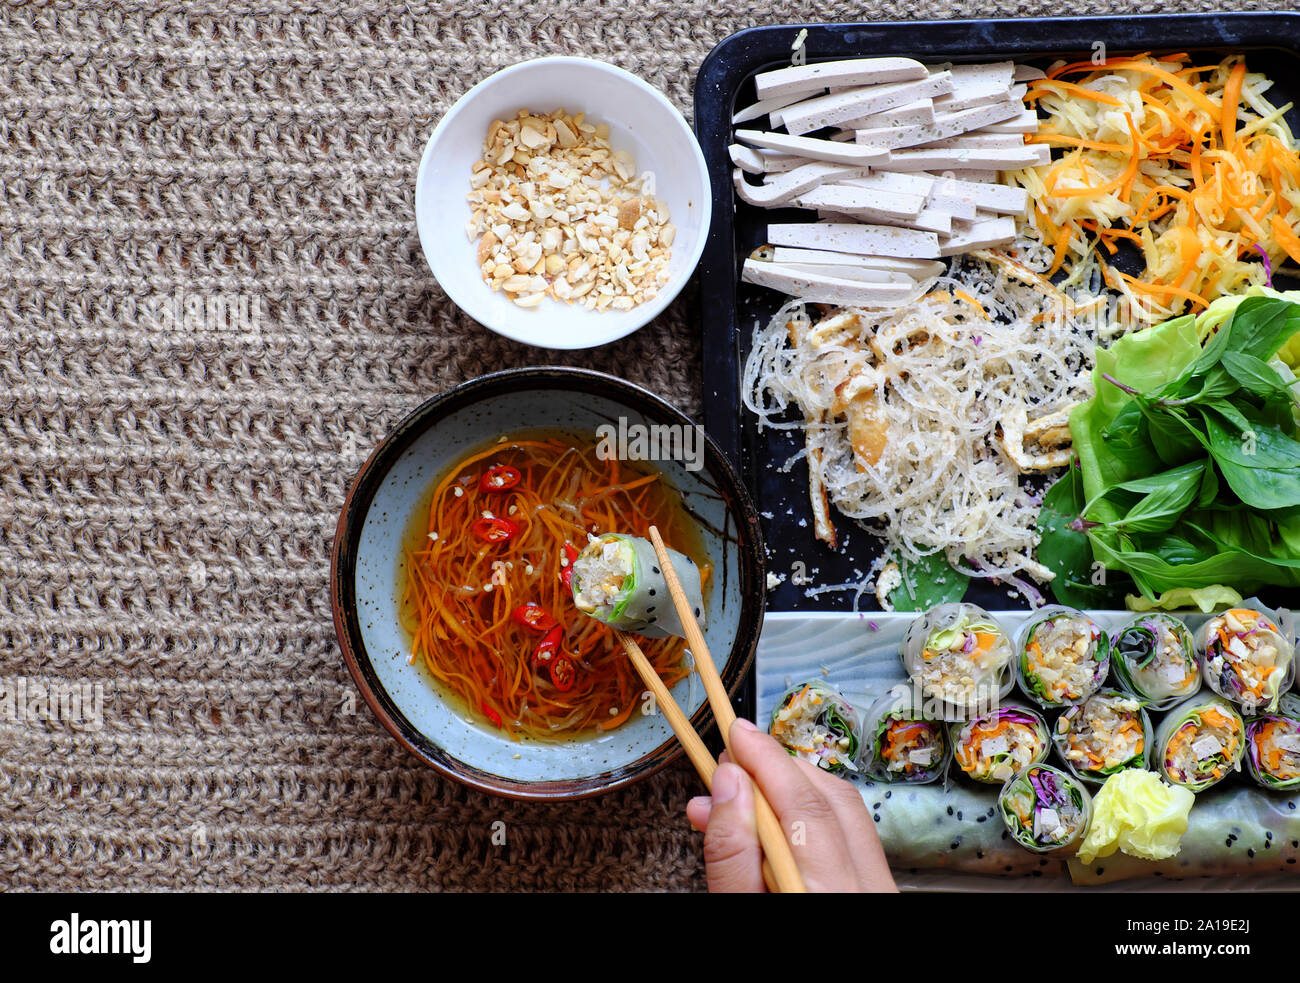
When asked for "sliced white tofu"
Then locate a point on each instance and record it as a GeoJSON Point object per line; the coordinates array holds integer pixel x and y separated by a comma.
{"type": "Point", "coordinates": [921, 111]}
{"type": "Point", "coordinates": [1026, 122]}
{"type": "Point", "coordinates": [820, 289]}
{"type": "Point", "coordinates": [778, 163]}
{"type": "Point", "coordinates": [784, 187]}
{"type": "Point", "coordinates": [814, 149]}
{"type": "Point", "coordinates": [976, 175]}
{"type": "Point", "coordinates": [863, 274]}
{"type": "Point", "coordinates": [1001, 73]}
{"type": "Point", "coordinates": [836, 107]}
{"type": "Point", "coordinates": [943, 127]}
{"type": "Point", "coordinates": [747, 159]}
{"type": "Point", "coordinates": [864, 240]}
{"type": "Point", "coordinates": [918, 269]}
{"type": "Point", "coordinates": [975, 95]}
{"type": "Point", "coordinates": [979, 139]}
{"type": "Point", "coordinates": [849, 71]}
{"type": "Point", "coordinates": [929, 220]}
{"type": "Point", "coordinates": [763, 107]}
{"type": "Point", "coordinates": [998, 198]}
{"type": "Point", "coordinates": [1027, 73]}
{"type": "Point", "coordinates": [961, 209]}
{"type": "Point", "coordinates": [910, 184]}
{"type": "Point", "coordinates": [1002, 159]}
{"type": "Point", "coordinates": [983, 234]}
{"type": "Point", "coordinates": [851, 200]}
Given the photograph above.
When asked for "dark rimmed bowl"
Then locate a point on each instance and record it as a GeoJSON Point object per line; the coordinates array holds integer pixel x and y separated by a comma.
{"type": "Point", "coordinates": [366, 575]}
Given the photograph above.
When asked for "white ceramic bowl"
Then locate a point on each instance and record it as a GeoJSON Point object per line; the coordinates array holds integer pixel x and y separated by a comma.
{"type": "Point", "coordinates": [641, 121]}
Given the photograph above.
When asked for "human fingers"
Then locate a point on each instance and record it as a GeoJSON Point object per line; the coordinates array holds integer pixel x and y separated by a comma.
{"type": "Point", "coordinates": [810, 823]}
{"type": "Point", "coordinates": [859, 830]}
{"type": "Point", "coordinates": [733, 860]}
{"type": "Point", "coordinates": [697, 812]}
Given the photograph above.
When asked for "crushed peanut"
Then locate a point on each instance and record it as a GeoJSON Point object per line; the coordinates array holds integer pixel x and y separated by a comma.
{"type": "Point", "coordinates": [558, 213]}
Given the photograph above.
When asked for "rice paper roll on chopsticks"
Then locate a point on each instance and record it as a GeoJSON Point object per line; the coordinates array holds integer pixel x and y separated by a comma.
{"type": "Point", "coordinates": [900, 743]}
{"type": "Point", "coordinates": [813, 721]}
{"type": "Point", "coordinates": [960, 657]}
{"type": "Point", "coordinates": [1247, 659]}
{"type": "Point", "coordinates": [617, 580]}
{"type": "Point", "coordinates": [1106, 733]}
{"type": "Point", "coordinates": [996, 745]}
{"type": "Point", "coordinates": [1064, 657]}
{"type": "Point", "coordinates": [1155, 658]}
{"type": "Point", "coordinates": [1045, 810]}
{"type": "Point", "coordinates": [1273, 746]}
{"type": "Point", "coordinates": [1200, 742]}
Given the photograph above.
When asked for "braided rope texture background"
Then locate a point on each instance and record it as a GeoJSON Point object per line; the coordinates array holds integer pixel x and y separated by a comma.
{"type": "Point", "coordinates": [169, 489]}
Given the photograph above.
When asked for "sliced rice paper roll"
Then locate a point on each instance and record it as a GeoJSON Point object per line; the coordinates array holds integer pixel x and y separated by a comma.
{"type": "Point", "coordinates": [1155, 657]}
{"type": "Point", "coordinates": [1200, 742]}
{"type": "Point", "coordinates": [1106, 733]}
{"type": "Point", "coordinates": [1064, 657]}
{"type": "Point", "coordinates": [1247, 659]}
{"type": "Point", "coordinates": [617, 580]}
{"type": "Point", "coordinates": [1045, 809]}
{"type": "Point", "coordinates": [902, 744]}
{"type": "Point", "coordinates": [959, 657]}
{"type": "Point", "coordinates": [813, 721]}
{"type": "Point", "coordinates": [1273, 746]}
{"type": "Point", "coordinates": [994, 746]}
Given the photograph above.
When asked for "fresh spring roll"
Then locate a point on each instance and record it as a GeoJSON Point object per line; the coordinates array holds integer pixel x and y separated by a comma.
{"type": "Point", "coordinates": [1155, 658]}
{"type": "Point", "coordinates": [1200, 742]}
{"type": "Point", "coordinates": [996, 745]}
{"type": "Point", "coordinates": [1273, 745]}
{"type": "Point", "coordinates": [900, 743]}
{"type": "Point", "coordinates": [1064, 657]}
{"type": "Point", "coordinates": [814, 722]}
{"type": "Point", "coordinates": [1106, 733]}
{"type": "Point", "coordinates": [617, 580]}
{"type": "Point", "coordinates": [1045, 810]}
{"type": "Point", "coordinates": [1246, 659]}
{"type": "Point", "coordinates": [960, 657]}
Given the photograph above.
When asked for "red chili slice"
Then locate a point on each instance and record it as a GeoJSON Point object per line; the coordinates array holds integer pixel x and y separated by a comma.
{"type": "Point", "coordinates": [547, 647]}
{"type": "Point", "coordinates": [494, 529]}
{"type": "Point", "coordinates": [502, 477]}
{"type": "Point", "coordinates": [562, 673]}
{"type": "Point", "coordinates": [492, 715]}
{"type": "Point", "coordinates": [566, 571]}
{"type": "Point", "coordinates": [534, 616]}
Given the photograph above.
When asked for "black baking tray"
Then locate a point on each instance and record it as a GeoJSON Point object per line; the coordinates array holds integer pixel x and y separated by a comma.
{"type": "Point", "coordinates": [730, 309]}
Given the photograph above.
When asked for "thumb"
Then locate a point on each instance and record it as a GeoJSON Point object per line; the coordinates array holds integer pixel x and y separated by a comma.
{"type": "Point", "coordinates": [733, 860]}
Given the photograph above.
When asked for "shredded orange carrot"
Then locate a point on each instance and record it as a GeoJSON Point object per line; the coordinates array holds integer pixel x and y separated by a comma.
{"type": "Point", "coordinates": [1070, 87]}
{"type": "Point", "coordinates": [1286, 237]}
{"type": "Point", "coordinates": [1228, 108]}
{"type": "Point", "coordinates": [1189, 147]}
{"type": "Point", "coordinates": [1164, 288]}
{"type": "Point", "coordinates": [460, 592]}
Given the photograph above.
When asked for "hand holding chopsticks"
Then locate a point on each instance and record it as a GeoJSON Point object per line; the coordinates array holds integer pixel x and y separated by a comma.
{"type": "Point", "coordinates": [770, 834]}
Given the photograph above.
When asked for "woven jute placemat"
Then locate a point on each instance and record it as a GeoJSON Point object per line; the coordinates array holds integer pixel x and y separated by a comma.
{"type": "Point", "coordinates": [169, 485]}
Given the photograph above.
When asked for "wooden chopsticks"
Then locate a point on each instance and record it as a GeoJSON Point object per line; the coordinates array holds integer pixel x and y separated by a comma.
{"type": "Point", "coordinates": [779, 868]}
{"type": "Point", "coordinates": [691, 741]}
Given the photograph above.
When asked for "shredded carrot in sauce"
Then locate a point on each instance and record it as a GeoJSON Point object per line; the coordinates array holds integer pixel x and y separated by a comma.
{"type": "Point", "coordinates": [460, 592]}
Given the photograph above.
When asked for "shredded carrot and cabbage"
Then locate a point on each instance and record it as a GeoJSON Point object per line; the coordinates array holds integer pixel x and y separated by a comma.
{"type": "Point", "coordinates": [1189, 162]}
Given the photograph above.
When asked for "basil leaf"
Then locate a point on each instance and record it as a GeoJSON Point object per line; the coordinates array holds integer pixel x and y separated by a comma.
{"type": "Point", "coordinates": [1261, 325]}
{"type": "Point", "coordinates": [1255, 375]}
{"type": "Point", "coordinates": [932, 580]}
{"type": "Point", "coordinates": [1209, 490]}
{"type": "Point", "coordinates": [1167, 495]}
{"type": "Point", "coordinates": [1068, 554]}
{"type": "Point", "coordinates": [1248, 442]}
